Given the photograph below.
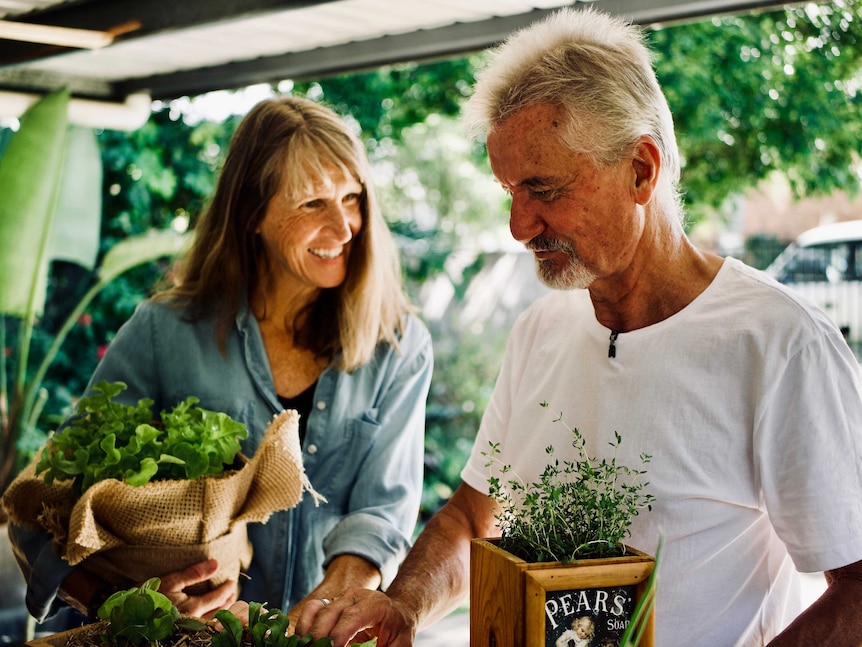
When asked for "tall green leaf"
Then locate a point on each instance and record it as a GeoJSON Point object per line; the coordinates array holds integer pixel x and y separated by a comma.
{"type": "Point", "coordinates": [128, 253]}
{"type": "Point", "coordinates": [29, 183]}
{"type": "Point", "coordinates": [76, 226]}
{"type": "Point", "coordinates": [143, 248]}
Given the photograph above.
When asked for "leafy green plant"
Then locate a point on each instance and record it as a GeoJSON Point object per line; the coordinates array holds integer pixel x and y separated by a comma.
{"type": "Point", "coordinates": [266, 628]}
{"type": "Point", "coordinates": [579, 509]}
{"type": "Point", "coordinates": [111, 440]}
{"type": "Point", "coordinates": [141, 615]}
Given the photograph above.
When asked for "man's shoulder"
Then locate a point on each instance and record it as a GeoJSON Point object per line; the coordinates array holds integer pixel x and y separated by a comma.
{"type": "Point", "coordinates": [554, 306]}
{"type": "Point", "coordinates": [767, 299]}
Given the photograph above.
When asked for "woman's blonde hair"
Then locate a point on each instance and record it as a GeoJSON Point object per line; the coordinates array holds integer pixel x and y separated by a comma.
{"type": "Point", "coordinates": [291, 142]}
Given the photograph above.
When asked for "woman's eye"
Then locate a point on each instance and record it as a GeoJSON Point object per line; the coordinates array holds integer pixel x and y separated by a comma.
{"type": "Point", "coordinates": [352, 198]}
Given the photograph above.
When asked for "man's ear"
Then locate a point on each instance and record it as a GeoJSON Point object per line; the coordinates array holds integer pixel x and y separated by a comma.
{"type": "Point", "coordinates": [646, 163]}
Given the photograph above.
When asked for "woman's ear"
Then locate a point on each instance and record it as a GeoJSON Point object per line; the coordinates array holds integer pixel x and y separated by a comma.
{"type": "Point", "coordinates": [646, 163]}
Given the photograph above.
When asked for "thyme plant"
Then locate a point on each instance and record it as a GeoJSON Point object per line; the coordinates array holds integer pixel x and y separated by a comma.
{"type": "Point", "coordinates": [578, 509]}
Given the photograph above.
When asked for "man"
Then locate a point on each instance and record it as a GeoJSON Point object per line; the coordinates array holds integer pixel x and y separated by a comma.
{"type": "Point", "coordinates": [747, 399]}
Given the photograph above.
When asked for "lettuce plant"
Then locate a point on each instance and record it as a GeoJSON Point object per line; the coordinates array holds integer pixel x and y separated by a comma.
{"type": "Point", "coordinates": [107, 439]}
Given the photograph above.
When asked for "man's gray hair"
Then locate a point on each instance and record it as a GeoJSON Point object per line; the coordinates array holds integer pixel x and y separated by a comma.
{"type": "Point", "coordinates": [598, 69]}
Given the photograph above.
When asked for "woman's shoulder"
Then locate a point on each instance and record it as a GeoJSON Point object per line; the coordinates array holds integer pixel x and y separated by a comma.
{"type": "Point", "coordinates": [414, 329]}
{"type": "Point", "coordinates": [159, 310]}
{"type": "Point", "coordinates": [411, 343]}
{"type": "Point", "coordinates": [166, 316]}
{"type": "Point", "coordinates": [413, 340]}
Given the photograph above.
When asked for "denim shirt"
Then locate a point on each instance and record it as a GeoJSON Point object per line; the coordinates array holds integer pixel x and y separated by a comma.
{"type": "Point", "coordinates": [363, 448]}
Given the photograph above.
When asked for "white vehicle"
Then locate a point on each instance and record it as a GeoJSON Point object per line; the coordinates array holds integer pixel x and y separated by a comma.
{"type": "Point", "coordinates": [824, 264]}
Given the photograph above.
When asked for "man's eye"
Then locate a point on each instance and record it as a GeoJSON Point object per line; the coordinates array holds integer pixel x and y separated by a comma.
{"type": "Point", "coordinates": [542, 194]}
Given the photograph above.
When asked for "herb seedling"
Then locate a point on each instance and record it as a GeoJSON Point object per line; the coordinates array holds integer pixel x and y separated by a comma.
{"type": "Point", "coordinates": [141, 615]}
{"type": "Point", "coordinates": [265, 629]}
{"type": "Point", "coordinates": [579, 509]}
{"type": "Point", "coordinates": [110, 440]}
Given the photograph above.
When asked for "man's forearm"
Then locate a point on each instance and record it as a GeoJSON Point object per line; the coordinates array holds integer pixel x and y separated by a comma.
{"type": "Point", "coordinates": [835, 619]}
{"type": "Point", "coordinates": [435, 577]}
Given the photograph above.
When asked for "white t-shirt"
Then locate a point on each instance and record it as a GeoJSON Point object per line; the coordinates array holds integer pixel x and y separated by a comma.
{"type": "Point", "coordinates": [749, 403]}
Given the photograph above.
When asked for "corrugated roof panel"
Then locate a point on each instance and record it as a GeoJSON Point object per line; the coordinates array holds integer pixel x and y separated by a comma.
{"type": "Point", "coordinates": [11, 8]}
{"type": "Point", "coordinates": [319, 39]}
{"type": "Point", "coordinates": [276, 33]}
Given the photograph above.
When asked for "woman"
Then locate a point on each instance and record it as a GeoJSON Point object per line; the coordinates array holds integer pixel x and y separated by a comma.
{"type": "Point", "coordinates": [290, 297]}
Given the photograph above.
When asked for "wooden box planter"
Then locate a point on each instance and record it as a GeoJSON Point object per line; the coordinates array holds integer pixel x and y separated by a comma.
{"type": "Point", "coordinates": [514, 603]}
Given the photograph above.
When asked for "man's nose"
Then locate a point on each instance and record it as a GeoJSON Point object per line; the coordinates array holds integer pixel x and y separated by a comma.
{"type": "Point", "coordinates": [524, 222]}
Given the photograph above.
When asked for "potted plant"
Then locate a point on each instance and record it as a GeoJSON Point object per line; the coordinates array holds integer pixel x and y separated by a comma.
{"type": "Point", "coordinates": [143, 617]}
{"type": "Point", "coordinates": [129, 493]}
{"type": "Point", "coordinates": [561, 573]}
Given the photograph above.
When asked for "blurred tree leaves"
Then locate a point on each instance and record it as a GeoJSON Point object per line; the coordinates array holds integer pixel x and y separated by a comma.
{"type": "Point", "coordinates": [386, 101]}
{"type": "Point", "coordinates": [756, 94]}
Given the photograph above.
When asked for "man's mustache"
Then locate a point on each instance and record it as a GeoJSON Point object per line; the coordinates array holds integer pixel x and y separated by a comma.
{"type": "Point", "coordinates": [548, 244]}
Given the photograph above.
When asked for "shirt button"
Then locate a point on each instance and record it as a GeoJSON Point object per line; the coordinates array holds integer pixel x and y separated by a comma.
{"type": "Point", "coordinates": [312, 449]}
{"type": "Point", "coordinates": [321, 405]}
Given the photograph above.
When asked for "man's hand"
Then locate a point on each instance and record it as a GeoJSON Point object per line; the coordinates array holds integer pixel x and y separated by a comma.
{"type": "Point", "coordinates": [343, 572]}
{"type": "Point", "coordinates": [358, 615]}
{"type": "Point", "coordinates": [205, 605]}
{"type": "Point", "coordinates": [433, 578]}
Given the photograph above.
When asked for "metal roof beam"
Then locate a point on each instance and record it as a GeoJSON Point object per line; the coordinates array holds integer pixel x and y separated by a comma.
{"type": "Point", "coordinates": [453, 40]}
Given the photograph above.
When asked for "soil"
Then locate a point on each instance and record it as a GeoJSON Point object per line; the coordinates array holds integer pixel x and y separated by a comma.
{"type": "Point", "coordinates": [95, 634]}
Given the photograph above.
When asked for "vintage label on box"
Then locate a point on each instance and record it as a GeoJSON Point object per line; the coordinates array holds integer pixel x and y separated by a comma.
{"type": "Point", "coordinates": [588, 617]}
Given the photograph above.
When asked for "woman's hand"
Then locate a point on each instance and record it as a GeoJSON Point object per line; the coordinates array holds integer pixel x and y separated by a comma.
{"type": "Point", "coordinates": [240, 610]}
{"type": "Point", "coordinates": [205, 605]}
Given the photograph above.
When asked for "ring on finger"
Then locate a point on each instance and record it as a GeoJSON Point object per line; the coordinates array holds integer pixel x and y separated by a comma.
{"type": "Point", "coordinates": [325, 601]}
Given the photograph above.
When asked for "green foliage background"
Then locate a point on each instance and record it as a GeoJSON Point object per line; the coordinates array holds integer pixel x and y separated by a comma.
{"type": "Point", "coordinates": [752, 95]}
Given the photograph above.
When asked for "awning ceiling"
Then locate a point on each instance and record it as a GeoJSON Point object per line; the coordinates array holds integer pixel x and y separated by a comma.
{"type": "Point", "coordinates": [170, 48]}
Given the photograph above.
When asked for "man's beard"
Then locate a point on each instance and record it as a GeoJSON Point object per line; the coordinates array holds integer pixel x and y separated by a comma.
{"type": "Point", "coordinates": [574, 275]}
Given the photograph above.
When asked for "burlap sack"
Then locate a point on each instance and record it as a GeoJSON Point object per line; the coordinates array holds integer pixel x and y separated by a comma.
{"type": "Point", "coordinates": [128, 534]}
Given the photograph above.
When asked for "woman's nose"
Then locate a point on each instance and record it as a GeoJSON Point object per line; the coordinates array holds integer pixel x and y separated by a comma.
{"type": "Point", "coordinates": [344, 221]}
